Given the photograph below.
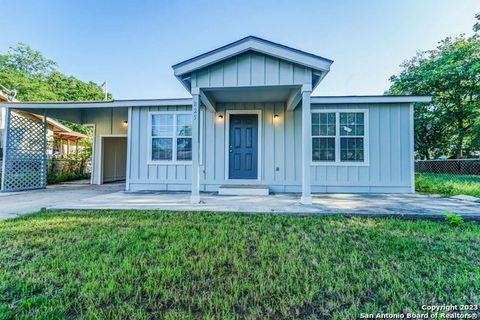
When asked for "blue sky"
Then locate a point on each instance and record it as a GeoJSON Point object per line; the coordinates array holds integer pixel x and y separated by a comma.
{"type": "Point", "coordinates": [132, 44]}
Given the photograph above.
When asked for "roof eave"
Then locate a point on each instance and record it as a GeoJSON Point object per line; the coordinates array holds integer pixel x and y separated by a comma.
{"type": "Point", "coordinates": [369, 99]}
{"type": "Point", "coordinates": [98, 104]}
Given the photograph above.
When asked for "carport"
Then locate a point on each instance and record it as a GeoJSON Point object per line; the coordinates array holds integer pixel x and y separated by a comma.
{"type": "Point", "coordinates": [25, 141]}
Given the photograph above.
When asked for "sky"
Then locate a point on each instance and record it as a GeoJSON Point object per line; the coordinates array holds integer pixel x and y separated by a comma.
{"type": "Point", "coordinates": [133, 44]}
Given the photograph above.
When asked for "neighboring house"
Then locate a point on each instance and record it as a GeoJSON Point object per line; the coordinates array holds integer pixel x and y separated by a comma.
{"type": "Point", "coordinates": [251, 126]}
{"type": "Point", "coordinates": [61, 140]}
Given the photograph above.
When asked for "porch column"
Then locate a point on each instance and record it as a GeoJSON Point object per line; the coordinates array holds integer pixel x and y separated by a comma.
{"type": "Point", "coordinates": [195, 197]}
{"type": "Point", "coordinates": [306, 144]}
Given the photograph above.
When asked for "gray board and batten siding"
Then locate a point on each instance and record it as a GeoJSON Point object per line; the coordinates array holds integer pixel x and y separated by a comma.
{"type": "Point", "coordinates": [388, 166]}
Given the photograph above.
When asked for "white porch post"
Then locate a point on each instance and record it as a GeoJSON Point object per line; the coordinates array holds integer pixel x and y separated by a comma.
{"type": "Point", "coordinates": [195, 197]}
{"type": "Point", "coordinates": [306, 144]}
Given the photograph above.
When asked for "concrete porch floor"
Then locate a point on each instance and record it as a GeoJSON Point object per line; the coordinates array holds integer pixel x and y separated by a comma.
{"type": "Point", "coordinates": [111, 196]}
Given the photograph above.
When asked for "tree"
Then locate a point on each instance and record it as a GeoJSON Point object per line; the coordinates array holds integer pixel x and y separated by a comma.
{"type": "Point", "coordinates": [451, 73]}
{"type": "Point", "coordinates": [36, 78]}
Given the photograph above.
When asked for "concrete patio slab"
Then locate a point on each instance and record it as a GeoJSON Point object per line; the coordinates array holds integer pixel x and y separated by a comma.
{"type": "Point", "coordinates": [349, 204]}
{"type": "Point", "coordinates": [82, 196]}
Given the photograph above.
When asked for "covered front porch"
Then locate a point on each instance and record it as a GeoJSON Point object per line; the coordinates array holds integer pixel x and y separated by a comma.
{"type": "Point", "coordinates": [270, 86]}
{"type": "Point", "coordinates": [251, 140]}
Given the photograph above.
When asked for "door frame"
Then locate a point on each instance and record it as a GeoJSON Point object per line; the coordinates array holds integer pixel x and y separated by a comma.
{"type": "Point", "coordinates": [102, 137]}
{"type": "Point", "coordinates": [227, 143]}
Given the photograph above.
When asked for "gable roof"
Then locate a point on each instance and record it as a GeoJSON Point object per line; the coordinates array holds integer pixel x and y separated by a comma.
{"type": "Point", "coordinates": [252, 43]}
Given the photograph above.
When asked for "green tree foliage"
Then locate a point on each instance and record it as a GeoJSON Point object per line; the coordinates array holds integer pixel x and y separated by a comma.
{"type": "Point", "coordinates": [451, 73]}
{"type": "Point", "coordinates": [37, 78]}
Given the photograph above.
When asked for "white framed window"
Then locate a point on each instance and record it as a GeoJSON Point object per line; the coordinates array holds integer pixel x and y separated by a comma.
{"type": "Point", "coordinates": [170, 137]}
{"type": "Point", "coordinates": [340, 137]}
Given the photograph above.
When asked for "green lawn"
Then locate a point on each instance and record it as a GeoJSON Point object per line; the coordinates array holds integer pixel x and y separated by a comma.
{"type": "Point", "coordinates": [448, 184]}
{"type": "Point", "coordinates": [147, 265]}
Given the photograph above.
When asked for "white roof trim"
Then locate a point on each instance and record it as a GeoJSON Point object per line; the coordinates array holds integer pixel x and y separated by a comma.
{"type": "Point", "coordinates": [370, 99]}
{"type": "Point", "coordinates": [100, 104]}
{"type": "Point", "coordinates": [188, 101]}
{"type": "Point", "coordinates": [255, 44]}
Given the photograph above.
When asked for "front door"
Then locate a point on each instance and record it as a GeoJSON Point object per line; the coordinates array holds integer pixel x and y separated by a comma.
{"type": "Point", "coordinates": [243, 146]}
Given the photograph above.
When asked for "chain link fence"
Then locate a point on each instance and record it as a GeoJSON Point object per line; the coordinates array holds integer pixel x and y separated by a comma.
{"type": "Point", "coordinates": [448, 177]}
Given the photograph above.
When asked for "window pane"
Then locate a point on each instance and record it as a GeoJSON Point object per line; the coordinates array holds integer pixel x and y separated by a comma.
{"type": "Point", "coordinates": [331, 130]}
{"type": "Point", "coordinates": [360, 130]}
{"type": "Point", "coordinates": [162, 131]}
{"type": "Point", "coordinates": [184, 149]}
{"type": "Point", "coordinates": [331, 118]}
{"type": "Point", "coordinates": [162, 149]}
{"type": "Point", "coordinates": [352, 149]}
{"type": "Point", "coordinates": [184, 125]}
{"type": "Point", "coordinates": [323, 130]}
{"type": "Point", "coordinates": [323, 118]}
{"type": "Point", "coordinates": [323, 124]}
{"type": "Point", "coordinates": [359, 118]}
{"type": "Point", "coordinates": [162, 125]}
{"type": "Point", "coordinates": [323, 149]}
{"type": "Point", "coordinates": [352, 124]}
{"type": "Point", "coordinates": [162, 119]}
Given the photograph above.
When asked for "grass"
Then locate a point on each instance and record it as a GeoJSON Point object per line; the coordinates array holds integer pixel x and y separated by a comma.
{"type": "Point", "coordinates": [147, 265]}
{"type": "Point", "coordinates": [448, 184]}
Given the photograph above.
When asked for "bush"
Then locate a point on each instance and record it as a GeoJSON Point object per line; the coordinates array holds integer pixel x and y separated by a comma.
{"type": "Point", "coordinates": [454, 219]}
{"type": "Point", "coordinates": [54, 178]}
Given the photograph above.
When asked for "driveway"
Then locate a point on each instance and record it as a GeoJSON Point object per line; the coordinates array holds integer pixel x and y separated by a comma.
{"type": "Point", "coordinates": [111, 196]}
{"type": "Point", "coordinates": [13, 204]}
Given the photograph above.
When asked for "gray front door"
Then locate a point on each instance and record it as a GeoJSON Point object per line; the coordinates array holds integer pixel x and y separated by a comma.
{"type": "Point", "coordinates": [243, 146]}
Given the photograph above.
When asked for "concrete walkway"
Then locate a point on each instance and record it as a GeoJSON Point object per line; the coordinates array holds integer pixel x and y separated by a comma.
{"type": "Point", "coordinates": [350, 204]}
{"type": "Point", "coordinates": [111, 196]}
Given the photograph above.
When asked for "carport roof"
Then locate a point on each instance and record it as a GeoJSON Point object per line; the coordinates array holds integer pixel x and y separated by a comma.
{"type": "Point", "coordinates": [99, 104]}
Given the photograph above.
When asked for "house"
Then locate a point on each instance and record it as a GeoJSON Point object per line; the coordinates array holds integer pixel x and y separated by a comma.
{"type": "Point", "coordinates": [251, 126]}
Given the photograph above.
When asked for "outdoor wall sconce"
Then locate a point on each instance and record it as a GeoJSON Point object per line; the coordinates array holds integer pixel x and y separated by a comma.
{"type": "Point", "coordinates": [276, 116]}
{"type": "Point", "coordinates": [220, 117]}
{"type": "Point", "coordinates": [125, 123]}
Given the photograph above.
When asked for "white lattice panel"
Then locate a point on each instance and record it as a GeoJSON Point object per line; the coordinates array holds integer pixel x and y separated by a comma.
{"type": "Point", "coordinates": [25, 161]}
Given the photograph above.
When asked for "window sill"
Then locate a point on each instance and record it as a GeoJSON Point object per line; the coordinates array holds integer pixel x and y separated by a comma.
{"type": "Point", "coordinates": [340, 164]}
{"type": "Point", "coordinates": [166, 162]}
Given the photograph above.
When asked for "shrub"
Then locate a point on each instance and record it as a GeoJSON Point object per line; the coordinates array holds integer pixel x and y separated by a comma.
{"type": "Point", "coordinates": [68, 176]}
{"type": "Point", "coordinates": [454, 219]}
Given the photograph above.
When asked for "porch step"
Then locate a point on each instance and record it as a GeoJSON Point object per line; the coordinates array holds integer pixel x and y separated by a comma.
{"type": "Point", "coordinates": [243, 190]}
